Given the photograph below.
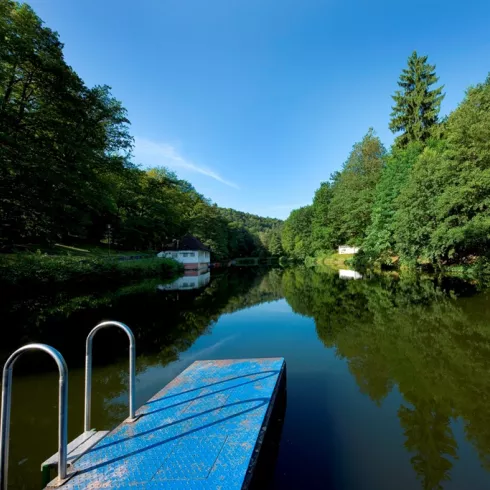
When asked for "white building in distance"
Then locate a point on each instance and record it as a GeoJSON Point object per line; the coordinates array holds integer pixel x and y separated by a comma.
{"type": "Point", "coordinates": [189, 251]}
{"type": "Point", "coordinates": [347, 249]}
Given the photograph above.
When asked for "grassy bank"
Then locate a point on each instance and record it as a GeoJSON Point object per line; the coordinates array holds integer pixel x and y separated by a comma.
{"type": "Point", "coordinates": [334, 260]}
{"type": "Point", "coordinates": [37, 270]}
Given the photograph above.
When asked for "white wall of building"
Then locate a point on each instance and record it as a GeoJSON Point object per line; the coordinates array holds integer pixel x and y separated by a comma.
{"type": "Point", "coordinates": [187, 256]}
{"type": "Point", "coordinates": [345, 249]}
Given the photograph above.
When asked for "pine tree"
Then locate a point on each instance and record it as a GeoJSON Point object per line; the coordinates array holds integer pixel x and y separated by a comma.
{"type": "Point", "coordinates": [416, 105]}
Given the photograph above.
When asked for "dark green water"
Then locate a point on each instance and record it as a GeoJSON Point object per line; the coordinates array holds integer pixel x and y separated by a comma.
{"type": "Point", "coordinates": [388, 378]}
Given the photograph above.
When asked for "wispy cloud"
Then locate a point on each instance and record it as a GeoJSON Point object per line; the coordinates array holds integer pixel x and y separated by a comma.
{"type": "Point", "coordinates": [153, 153]}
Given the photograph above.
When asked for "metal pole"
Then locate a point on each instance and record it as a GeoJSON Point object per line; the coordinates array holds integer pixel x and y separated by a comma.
{"type": "Point", "coordinates": [88, 383]}
{"type": "Point", "coordinates": [5, 426]}
{"type": "Point", "coordinates": [7, 402]}
{"type": "Point", "coordinates": [88, 370]}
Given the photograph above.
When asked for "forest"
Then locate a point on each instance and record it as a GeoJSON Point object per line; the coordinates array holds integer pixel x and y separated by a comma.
{"type": "Point", "coordinates": [67, 173]}
{"type": "Point", "coordinates": [425, 201]}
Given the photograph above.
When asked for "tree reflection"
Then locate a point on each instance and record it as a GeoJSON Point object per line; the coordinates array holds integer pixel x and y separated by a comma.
{"type": "Point", "coordinates": [427, 336]}
{"type": "Point", "coordinates": [410, 332]}
{"type": "Point", "coordinates": [429, 436]}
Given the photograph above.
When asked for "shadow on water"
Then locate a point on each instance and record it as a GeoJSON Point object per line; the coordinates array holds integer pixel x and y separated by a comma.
{"type": "Point", "coordinates": [265, 469]}
{"type": "Point", "coordinates": [426, 338]}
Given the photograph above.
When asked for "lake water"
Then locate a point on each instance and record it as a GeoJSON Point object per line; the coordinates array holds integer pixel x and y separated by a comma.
{"type": "Point", "coordinates": [388, 377]}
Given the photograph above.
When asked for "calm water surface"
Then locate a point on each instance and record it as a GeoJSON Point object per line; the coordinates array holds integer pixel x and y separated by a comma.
{"type": "Point", "coordinates": [388, 378]}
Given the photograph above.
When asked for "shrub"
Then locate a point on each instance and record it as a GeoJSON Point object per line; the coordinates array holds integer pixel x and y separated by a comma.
{"type": "Point", "coordinates": [38, 270]}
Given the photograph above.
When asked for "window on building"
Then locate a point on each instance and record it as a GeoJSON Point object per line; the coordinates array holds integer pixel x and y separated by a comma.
{"type": "Point", "coordinates": [185, 254]}
{"type": "Point", "coordinates": [174, 255]}
{"type": "Point", "coordinates": [192, 254]}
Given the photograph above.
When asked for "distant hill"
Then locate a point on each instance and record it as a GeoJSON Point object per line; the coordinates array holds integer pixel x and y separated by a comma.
{"type": "Point", "coordinates": [252, 235]}
{"type": "Point", "coordinates": [251, 222]}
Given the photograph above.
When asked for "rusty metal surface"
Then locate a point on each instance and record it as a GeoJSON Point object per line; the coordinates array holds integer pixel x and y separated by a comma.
{"type": "Point", "coordinates": [202, 431]}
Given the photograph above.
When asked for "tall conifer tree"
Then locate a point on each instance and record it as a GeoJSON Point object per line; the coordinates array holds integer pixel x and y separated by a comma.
{"type": "Point", "coordinates": [416, 106]}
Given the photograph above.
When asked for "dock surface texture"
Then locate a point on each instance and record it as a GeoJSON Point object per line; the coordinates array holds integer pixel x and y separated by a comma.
{"type": "Point", "coordinates": [202, 431]}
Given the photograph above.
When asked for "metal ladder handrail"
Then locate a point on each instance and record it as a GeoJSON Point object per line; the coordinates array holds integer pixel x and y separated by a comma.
{"type": "Point", "coordinates": [88, 370]}
{"type": "Point", "coordinates": [6, 406]}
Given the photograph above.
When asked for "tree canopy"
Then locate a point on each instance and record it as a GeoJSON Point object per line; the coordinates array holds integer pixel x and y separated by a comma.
{"type": "Point", "coordinates": [416, 106]}
{"type": "Point", "coordinates": [444, 211]}
{"type": "Point", "coordinates": [296, 234]}
{"type": "Point", "coordinates": [426, 200]}
{"type": "Point", "coordinates": [341, 209]}
{"type": "Point", "coordinates": [67, 172]}
{"type": "Point", "coordinates": [66, 167]}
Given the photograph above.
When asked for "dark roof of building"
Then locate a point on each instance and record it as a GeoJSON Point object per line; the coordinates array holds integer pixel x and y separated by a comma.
{"type": "Point", "coordinates": [188, 242]}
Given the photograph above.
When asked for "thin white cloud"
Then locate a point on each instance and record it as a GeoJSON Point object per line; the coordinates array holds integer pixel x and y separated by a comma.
{"type": "Point", "coordinates": [153, 153]}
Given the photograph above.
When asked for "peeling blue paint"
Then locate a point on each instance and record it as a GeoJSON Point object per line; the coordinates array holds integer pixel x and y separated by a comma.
{"type": "Point", "coordinates": [202, 431]}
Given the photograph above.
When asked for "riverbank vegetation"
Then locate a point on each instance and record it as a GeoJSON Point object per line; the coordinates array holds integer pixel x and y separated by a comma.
{"type": "Point", "coordinates": [426, 201]}
{"type": "Point", "coordinates": [67, 173]}
{"type": "Point", "coordinates": [38, 270]}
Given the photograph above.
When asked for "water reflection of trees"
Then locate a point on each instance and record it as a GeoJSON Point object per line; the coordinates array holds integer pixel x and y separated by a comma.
{"type": "Point", "coordinates": [410, 332]}
{"type": "Point", "coordinates": [165, 324]}
{"type": "Point", "coordinates": [413, 333]}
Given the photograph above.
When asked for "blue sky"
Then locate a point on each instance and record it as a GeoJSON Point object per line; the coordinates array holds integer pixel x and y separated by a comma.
{"type": "Point", "coordinates": [257, 101]}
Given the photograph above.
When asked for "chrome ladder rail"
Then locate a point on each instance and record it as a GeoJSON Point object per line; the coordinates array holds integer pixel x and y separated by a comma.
{"type": "Point", "coordinates": [88, 370]}
{"type": "Point", "coordinates": [62, 411]}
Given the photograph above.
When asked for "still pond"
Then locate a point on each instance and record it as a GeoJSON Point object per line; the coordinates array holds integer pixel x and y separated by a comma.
{"type": "Point", "coordinates": [388, 381]}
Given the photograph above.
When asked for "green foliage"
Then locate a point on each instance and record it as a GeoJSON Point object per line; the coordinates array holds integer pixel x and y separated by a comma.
{"type": "Point", "coordinates": [252, 235]}
{"type": "Point", "coordinates": [275, 244]}
{"type": "Point", "coordinates": [65, 161]}
{"type": "Point", "coordinates": [66, 172]}
{"type": "Point", "coordinates": [59, 139]}
{"type": "Point", "coordinates": [323, 238]}
{"type": "Point", "coordinates": [296, 233]}
{"type": "Point", "coordinates": [341, 210]}
{"type": "Point", "coordinates": [37, 270]}
{"type": "Point", "coordinates": [427, 202]}
{"type": "Point", "coordinates": [354, 191]}
{"type": "Point", "coordinates": [444, 211]}
{"type": "Point", "coordinates": [379, 244]}
{"type": "Point", "coordinates": [416, 107]}
{"type": "Point", "coordinates": [253, 223]}
{"type": "Point", "coordinates": [414, 219]}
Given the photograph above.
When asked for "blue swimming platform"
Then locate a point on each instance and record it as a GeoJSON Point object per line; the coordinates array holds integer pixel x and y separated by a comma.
{"type": "Point", "coordinates": [204, 430]}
